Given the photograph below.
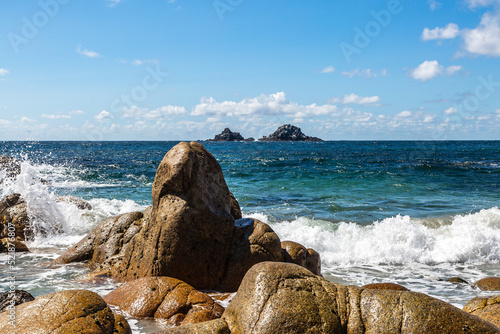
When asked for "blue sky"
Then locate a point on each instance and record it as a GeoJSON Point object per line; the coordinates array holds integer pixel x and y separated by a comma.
{"type": "Point", "coordinates": [185, 70]}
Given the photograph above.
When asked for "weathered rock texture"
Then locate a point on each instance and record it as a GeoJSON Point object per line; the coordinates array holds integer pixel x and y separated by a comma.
{"type": "Point", "coordinates": [73, 311]}
{"type": "Point", "coordinates": [13, 210]}
{"type": "Point", "coordinates": [189, 233]}
{"type": "Point", "coordinates": [164, 298]}
{"type": "Point", "coordinates": [288, 132]}
{"type": "Point", "coordinates": [286, 298]}
{"type": "Point", "coordinates": [294, 252]}
{"type": "Point", "coordinates": [13, 245]}
{"type": "Point", "coordinates": [488, 284]}
{"type": "Point", "coordinates": [228, 135]}
{"type": "Point", "coordinates": [78, 202]}
{"type": "Point", "coordinates": [253, 242]}
{"type": "Point", "coordinates": [486, 308]}
{"type": "Point", "coordinates": [16, 297]}
{"type": "Point", "coordinates": [105, 245]}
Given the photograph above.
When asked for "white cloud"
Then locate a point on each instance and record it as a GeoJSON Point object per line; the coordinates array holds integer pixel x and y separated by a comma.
{"type": "Point", "coordinates": [430, 69]}
{"type": "Point", "coordinates": [76, 112]}
{"type": "Point", "coordinates": [329, 69]}
{"type": "Point", "coordinates": [155, 114]}
{"type": "Point", "coordinates": [87, 53]}
{"type": "Point", "coordinates": [405, 113]}
{"type": "Point", "coordinates": [364, 73]}
{"type": "Point", "coordinates": [485, 39]}
{"type": "Point", "coordinates": [356, 99]}
{"type": "Point", "coordinates": [103, 115]}
{"type": "Point", "coordinates": [4, 71]}
{"type": "Point", "coordinates": [263, 105]}
{"type": "Point", "coordinates": [450, 70]}
{"type": "Point", "coordinates": [481, 3]}
{"type": "Point", "coordinates": [55, 116]}
{"type": "Point", "coordinates": [433, 4]}
{"type": "Point", "coordinates": [450, 111]}
{"type": "Point", "coordinates": [450, 31]}
{"type": "Point", "coordinates": [112, 3]}
{"type": "Point", "coordinates": [138, 62]}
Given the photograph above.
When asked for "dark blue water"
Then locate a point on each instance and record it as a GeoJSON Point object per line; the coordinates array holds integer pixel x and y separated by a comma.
{"type": "Point", "coordinates": [338, 181]}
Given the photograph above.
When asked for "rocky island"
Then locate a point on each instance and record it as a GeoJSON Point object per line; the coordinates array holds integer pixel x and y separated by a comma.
{"type": "Point", "coordinates": [228, 135]}
{"type": "Point", "coordinates": [289, 132]}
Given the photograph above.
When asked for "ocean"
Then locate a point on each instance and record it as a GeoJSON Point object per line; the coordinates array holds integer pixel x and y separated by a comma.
{"type": "Point", "coordinates": [414, 213]}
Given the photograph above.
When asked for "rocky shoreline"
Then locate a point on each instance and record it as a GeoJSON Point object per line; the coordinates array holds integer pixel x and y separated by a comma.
{"type": "Point", "coordinates": [193, 238]}
{"type": "Point", "coordinates": [285, 132]}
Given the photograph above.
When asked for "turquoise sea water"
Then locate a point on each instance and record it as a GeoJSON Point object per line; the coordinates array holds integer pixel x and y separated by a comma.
{"type": "Point", "coordinates": [413, 213]}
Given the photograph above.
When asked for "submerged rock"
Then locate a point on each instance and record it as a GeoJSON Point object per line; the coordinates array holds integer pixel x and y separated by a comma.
{"type": "Point", "coordinates": [164, 298]}
{"type": "Point", "coordinates": [14, 298]}
{"type": "Point", "coordinates": [488, 284]}
{"type": "Point", "coordinates": [486, 308]}
{"type": "Point", "coordinates": [289, 132]}
{"type": "Point", "coordinates": [228, 135]}
{"type": "Point", "coordinates": [286, 298]}
{"type": "Point", "coordinates": [73, 311]}
{"type": "Point", "coordinates": [78, 202]}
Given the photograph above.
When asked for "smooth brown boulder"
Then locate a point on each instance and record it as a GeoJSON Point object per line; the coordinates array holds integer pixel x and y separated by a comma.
{"type": "Point", "coordinates": [191, 227]}
{"type": "Point", "coordinates": [73, 311]}
{"type": "Point", "coordinates": [13, 217]}
{"type": "Point", "coordinates": [488, 284]}
{"type": "Point", "coordinates": [253, 242]}
{"type": "Point", "coordinates": [164, 298]}
{"type": "Point", "coordinates": [293, 252]}
{"type": "Point", "coordinates": [235, 208]}
{"type": "Point", "coordinates": [486, 308]}
{"type": "Point", "coordinates": [286, 298]}
{"type": "Point", "coordinates": [104, 244]}
{"type": "Point", "coordinates": [385, 286]}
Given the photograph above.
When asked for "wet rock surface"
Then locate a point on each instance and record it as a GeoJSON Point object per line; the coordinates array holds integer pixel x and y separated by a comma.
{"type": "Point", "coordinates": [486, 308]}
{"type": "Point", "coordinates": [288, 132]}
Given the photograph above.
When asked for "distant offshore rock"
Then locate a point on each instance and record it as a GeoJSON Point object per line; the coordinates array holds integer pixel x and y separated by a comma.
{"type": "Point", "coordinates": [228, 135]}
{"type": "Point", "coordinates": [289, 132]}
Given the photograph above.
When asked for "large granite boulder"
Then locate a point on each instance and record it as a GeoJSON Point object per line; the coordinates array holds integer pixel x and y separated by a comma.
{"type": "Point", "coordinates": [289, 132]}
{"type": "Point", "coordinates": [286, 298]}
{"type": "Point", "coordinates": [384, 286]}
{"type": "Point", "coordinates": [191, 227]}
{"type": "Point", "coordinates": [164, 298]}
{"type": "Point", "coordinates": [189, 233]}
{"type": "Point", "coordinates": [228, 135]}
{"type": "Point", "coordinates": [253, 242]}
{"type": "Point", "coordinates": [486, 308]}
{"type": "Point", "coordinates": [73, 311]}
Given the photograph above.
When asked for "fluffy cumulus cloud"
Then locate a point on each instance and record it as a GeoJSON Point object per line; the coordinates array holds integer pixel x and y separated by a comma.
{"type": "Point", "coordinates": [485, 39]}
{"type": "Point", "coordinates": [450, 31]}
{"type": "Point", "coordinates": [356, 99]}
{"type": "Point", "coordinates": [87, 53]}
{"type": "Point", "coordinates": [103, 115]}
{"type": "Point", "coordinates": [328, 69]}
{"type": "Point", "coordinates": [430, 69]}
{"type": "Point", "coordinates": [364, 73]}
{"type": "Point", "coordinates": [263, 105]}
